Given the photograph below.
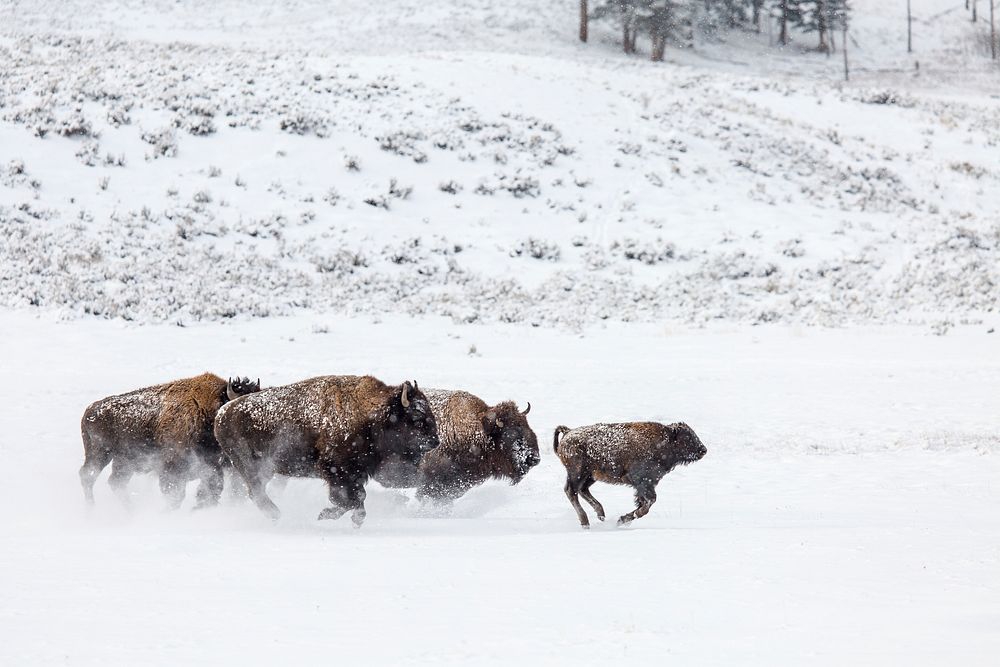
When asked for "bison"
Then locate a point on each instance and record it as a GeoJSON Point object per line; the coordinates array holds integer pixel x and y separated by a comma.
{"type": "Point", "coordinates": [478, 442]}
{"type": "Point", "coordinates": [167, 429]}
{"type": "Point", "coordinates": [636, 453]}
{"type": "Point", "coordinates": [337, 428]}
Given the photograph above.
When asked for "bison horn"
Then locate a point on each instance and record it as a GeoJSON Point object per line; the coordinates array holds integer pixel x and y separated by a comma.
{"type": "Point", "coordinates": [527, 409]}
{"type": "Point", "coordinates": [229, 390]}
{"type": "Point", "coordinates": [403, 399]}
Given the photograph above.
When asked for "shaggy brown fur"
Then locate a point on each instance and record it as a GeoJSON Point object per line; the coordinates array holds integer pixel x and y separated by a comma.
{"type": "Point", "coordinates": [166, 428]}
{"type": "Point", "coordinates": [337, 428]}
{"type": "Point", "coordinates": [478, 442]}
{"type": "Point", "coordinates": [636, 453]}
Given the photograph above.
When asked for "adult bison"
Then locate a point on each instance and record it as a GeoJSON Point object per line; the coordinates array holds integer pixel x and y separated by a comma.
{"type": "Point", "coordinates": [166, 429]}
{"type": "Point", "coordinates": [337, 428]}
{"type": "Point", "coordinates": [478, 442]}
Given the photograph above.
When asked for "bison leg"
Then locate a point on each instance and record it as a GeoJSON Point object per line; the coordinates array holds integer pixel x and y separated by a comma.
{"type": "Point", "coordinates": [173, 480]}
{"type": "Point", "coordinates": [121, 472]}
{"type": "Point", "coordinates": [255, 478]}
{"type": "Point", "coordinates": [571, 492]}
{"type": "Point", "coordinates": [210, 486]}
{"type": "Point", "coordinates": [644, 499]}
{"type": "Point", "coordinates": [95, 460]}
{"type": "Point", "coordinates": [346, 495]}
{"type": "Point", "coordinates": [589, 497]}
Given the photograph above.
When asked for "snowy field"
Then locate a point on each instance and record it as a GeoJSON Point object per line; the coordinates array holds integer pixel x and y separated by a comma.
{"type": "Point", "coordinates": [806, 271]}
{"type": "Point", "coordinates": [847, 510]}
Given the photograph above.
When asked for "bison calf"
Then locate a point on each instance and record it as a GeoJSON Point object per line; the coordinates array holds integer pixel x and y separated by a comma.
{"type": "Point", "coordinates": [166, 429]}
{"type": "Point", "coordinates": [478, 442]}
{"type": "Point", "coordinates": [636, 453]}
{"type": "Point", "coordinates": [337, 428]}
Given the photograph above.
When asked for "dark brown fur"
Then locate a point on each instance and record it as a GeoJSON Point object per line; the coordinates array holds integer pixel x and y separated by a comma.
{"type": "Point", "coordinates": [638, 454]}
{"type": "Point", "coordinates": [478, 442]}
{"type": "Point", "coordinates": [166, 428]}
{"type": "Point", "coordinates": [337, 428]}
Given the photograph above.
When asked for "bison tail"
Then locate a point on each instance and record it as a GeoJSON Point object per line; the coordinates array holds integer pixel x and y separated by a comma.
{"type": "Point", "coordinates": [560, 430]}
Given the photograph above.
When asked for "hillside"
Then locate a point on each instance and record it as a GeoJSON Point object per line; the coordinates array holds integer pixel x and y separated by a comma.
{"type": "Point", "coordinates": [478, 164]}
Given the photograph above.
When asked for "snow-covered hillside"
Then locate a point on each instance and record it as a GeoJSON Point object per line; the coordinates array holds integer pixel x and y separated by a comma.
{"type": "Point", "coordinates": [488, 168]}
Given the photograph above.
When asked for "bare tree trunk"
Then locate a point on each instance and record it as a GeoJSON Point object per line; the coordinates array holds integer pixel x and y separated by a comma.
{"type": "Point", "coordinates": [783, 36]}
{"type": "Point", "coordinates": [974, 14]}
{"type": "Point", "coordinates": [909, 28]}
{"type": "Point", "coordinates": [821, 25]}
{"type": "Point", "coordinates": [833, 41]}
{"type": "Point", "coordinates": [631, 46]}
{"type": "Point", "coordinates": [847, 71]}
{"type": "Point", "coordinates": [583, 20]}
{"type": "Point", "coordinates": [756, 15]}
{"type": "Point", "coordinates": [993, 33]}
{"type": "Point", "coordinates": [659, 47]}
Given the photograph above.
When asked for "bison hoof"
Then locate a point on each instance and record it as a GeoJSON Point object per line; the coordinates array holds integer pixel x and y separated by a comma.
{"type": "Point", "coordinates": [585, 526]}
{"type": "Point", "coordinates": [600, 517]}
{"type": "Point", "coordinates": [624, 521]}
{"type": "Point", "coordinates": [330, 513]}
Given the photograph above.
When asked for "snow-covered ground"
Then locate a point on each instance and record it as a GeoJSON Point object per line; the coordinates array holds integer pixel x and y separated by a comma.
{"type": "Point", "coordinates": [462, 194]}
{"type": "Point", "coordinates": [847, 510]}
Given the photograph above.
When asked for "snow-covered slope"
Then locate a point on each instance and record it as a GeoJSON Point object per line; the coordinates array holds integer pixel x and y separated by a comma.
{"type": "Point", "coordinates": [475, 163]}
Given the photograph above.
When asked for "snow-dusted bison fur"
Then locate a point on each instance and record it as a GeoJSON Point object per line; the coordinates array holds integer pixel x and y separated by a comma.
{"type": "Point", "coordinates": [478, 442]}
{"type": "Point", "coordinates": [337, 428]}
{"type": "Point", "coordinates": [166, 429]}
{"type": "Point", "coordinates": [636, 453]}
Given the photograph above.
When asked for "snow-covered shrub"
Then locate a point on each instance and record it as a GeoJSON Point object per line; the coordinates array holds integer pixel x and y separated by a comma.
{"type": "Point", "coordinates": [792, 248]}
{"type": "Point", "coordinates": [332, 197]}
{"type": "Point", "coordinates": [304, 123]}
{"type": "Point", "coordinates": [403, 143]}
{"type": "Point", "coordinates": [647, 252]}
{"type": "Point", "coordinates": [340, 262]}
{"type": "Point", "coordinates": [452, 187]}
{"type": "Point", "coordinates": [536, 248]}
{"type": "Point", "coordinates": [89, 153]}
{"type": "Point", "coordinates": [163, 141]}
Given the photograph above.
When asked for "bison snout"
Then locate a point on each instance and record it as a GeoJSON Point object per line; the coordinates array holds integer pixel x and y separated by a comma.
{"type": "Point", "coordinates": [533, 460]}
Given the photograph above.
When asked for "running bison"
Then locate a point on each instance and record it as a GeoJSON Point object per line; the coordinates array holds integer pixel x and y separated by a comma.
{"type": "Point", "coordinates": [337, 428]}
{"type": "Point", "coordinates": [636, 453]}
{"type": "Point", "coordinates": [478, 442]}
{"type": "Point", "coordinates": [165, 429]}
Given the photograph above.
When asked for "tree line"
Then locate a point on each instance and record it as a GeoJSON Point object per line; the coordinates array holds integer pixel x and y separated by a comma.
{"type": "Point", "coordinates": [677, 21]}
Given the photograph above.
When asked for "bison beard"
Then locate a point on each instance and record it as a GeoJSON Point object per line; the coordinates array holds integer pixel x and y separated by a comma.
{"type": "Point", "coordinates": [637, 453]}
{"type": "Point", "coordinates": [478, 442]}
{"type": "Point", "coordinates": [337, 428]}
{"type": "Point", "coordinates": [166, 428]}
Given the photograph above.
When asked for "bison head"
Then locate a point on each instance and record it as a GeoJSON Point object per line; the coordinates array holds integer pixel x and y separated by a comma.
{"type": "Point", "coordinates": [410, 431]}
{"type": "Point", "coordinates": [683, 445]}
{"type": "Point", "coordinates": [508, 428]}
{"type": "Point", "coordinates": [238, 386]}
